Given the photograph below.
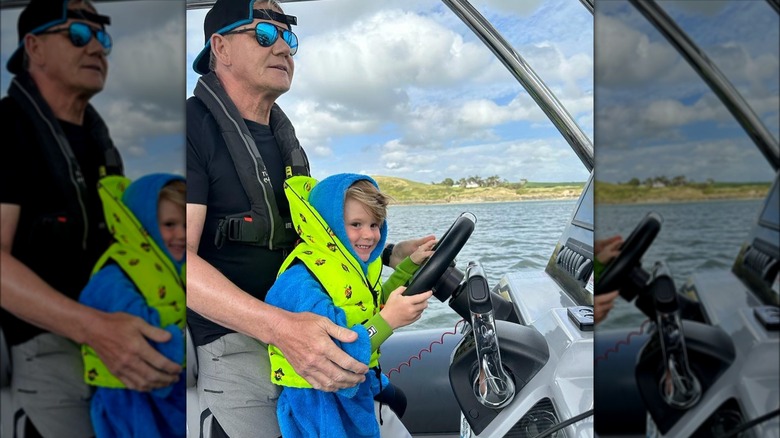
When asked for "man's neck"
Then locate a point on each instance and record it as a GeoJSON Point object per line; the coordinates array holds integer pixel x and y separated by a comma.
{"type": "Point", "coordinates": [252, 105]}
{"type": "Point", "coordinates": [65, 104]}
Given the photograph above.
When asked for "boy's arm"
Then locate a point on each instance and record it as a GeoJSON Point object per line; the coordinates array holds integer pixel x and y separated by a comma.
{"type": "Point", "coordinates": [378, 329]}
{"type": "Point", "coordinates": [402, 273]}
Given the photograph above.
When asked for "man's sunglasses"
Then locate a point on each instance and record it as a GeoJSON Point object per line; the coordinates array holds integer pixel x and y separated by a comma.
{"type": "Point", "coordinates": [267, 34]}
{"type": "Point", "coordinates": [80, 35]}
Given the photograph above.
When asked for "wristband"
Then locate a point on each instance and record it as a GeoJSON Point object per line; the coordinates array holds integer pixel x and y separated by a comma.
{"type": "Point", "coordinates": [386, 253]}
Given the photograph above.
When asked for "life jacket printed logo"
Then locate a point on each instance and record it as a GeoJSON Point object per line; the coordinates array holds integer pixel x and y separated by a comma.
{"type": "Point", "coordinates": [145, 246]}
{"type": "Point", "coordinates": [361, 305]}
{"type": "Point", "coordinates": [133, 262]}
{"type": "Point", "coordinates": [175, 306]}
{"type": "Point", "coordinates": [161, 292]}
{"type": "Point", "coordinates": [122, 252]}
{"type": "Point", "coordinates": [278, 374]}
{"type": "Point", "coordinates": [308, 252]}
{"type": "Point", "coordinates": [307, 186]}
{"type": "Point", "coordinates": [311, 239]}
{"type": "Point", "coordinates": [299, 230]}
{"type": "Point", "coordinates": [116, 218]}
{"type": "Point", "coordinates": [158, 267]}
{"type": "Point", "coordinates": [92, 374]}
{"type": "Point", "coordinates": [371, 331]}
{"type": "Point", "coordinates": [303, 218]}
{"type": "Point", "coordinates": [344, 267]}
{"type": "Point", "coordinates": [348, 291]}
{"type": "Point", "coordinates": [332, 246]}
{"type": "Point", "coordinates": [319, 262]}
{"type": "Point", "coordinates": [331, 233]}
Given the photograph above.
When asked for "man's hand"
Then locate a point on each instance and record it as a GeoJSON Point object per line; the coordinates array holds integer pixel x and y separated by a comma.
{"type": "Point", "coordinates": [607, 249]}
{"type": "Point", "coordinates": [423, 252]}
{"type": "Point", "coordinates": [305, 340]}
{"type": "Point", "coordinates": [602, 304]}
{"type": "Point", "coordinates": [406, 248]}
{"type": "Point", "coordinates": [121, 342]}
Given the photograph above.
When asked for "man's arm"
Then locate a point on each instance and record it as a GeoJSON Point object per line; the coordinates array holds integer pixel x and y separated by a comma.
{"type": "Point", "coordinates": [118, 338]}
{"type": "Point", "coordinates": [304, 338]}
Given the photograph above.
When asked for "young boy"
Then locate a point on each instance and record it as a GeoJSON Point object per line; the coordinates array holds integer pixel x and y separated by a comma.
{"type": "Point", "coordinates": [142, 274]}
{"type": "Point", "coordinates": [335, 271]}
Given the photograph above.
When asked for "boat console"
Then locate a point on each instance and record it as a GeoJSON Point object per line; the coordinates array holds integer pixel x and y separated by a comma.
{"type": "Point", "coordinates": [708, 366]}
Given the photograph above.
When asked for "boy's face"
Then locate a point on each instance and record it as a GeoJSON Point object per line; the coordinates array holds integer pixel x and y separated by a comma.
{"type": "Point", "coordinates": [170, 218]}
{"type": "Point", "coordinates": [363, 230]}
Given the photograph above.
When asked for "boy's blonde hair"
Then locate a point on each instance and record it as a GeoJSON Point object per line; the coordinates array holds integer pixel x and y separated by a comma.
{"type": "Point", "coordinates": [174, 191]}
{"type": "Point", "coordinates": [369, 195]}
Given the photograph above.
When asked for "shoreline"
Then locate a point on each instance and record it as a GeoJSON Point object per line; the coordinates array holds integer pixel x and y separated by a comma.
{"type": "Point", "coordinates": [574, 198]}
{"type": "Point", "coordinates": [676, 201]}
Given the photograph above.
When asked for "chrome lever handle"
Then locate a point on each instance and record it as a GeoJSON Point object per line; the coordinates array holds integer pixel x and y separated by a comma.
{"type": "Point", "coordinates": [493, 388]}
{"type": "Point", "coordinates": [679, 387]}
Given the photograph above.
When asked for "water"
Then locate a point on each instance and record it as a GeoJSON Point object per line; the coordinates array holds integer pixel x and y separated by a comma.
{"type": "Point", "coordinates": [694, 236]}
{"type": "Point", "coordinates": [508, 236]}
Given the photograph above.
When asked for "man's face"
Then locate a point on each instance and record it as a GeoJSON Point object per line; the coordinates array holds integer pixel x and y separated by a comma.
{"type": "Point", "coordinates": [267, 69]}
{"type": "Point", "coordinates": [82, 70]}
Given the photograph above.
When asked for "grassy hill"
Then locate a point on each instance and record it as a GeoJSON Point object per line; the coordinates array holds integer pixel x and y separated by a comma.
{"type": "Point", "coordinates": [609, 193]}
{"type": "Point", "coordinates": [405, 191]}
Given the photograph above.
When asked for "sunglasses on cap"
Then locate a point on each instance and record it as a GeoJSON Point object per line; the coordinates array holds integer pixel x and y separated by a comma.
{"type": "Point", "coordinates": [267, 34]}
{"type": "Point", "coordinates": [81, 34]}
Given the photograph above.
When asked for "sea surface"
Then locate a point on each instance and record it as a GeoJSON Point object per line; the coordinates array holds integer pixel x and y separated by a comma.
{"type": "Point", "coordinates": [694, 237]}
{"type": "Point", "coordinates": [507, 236]}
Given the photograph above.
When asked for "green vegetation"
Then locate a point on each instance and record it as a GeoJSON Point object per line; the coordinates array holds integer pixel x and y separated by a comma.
{"type": "Point", "coordinates": [660, 190]}
{"type": "Point", "coordinates": [405, 191]}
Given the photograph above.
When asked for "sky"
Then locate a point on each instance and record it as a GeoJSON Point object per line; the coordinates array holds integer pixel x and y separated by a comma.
{"type": "Point", "coordinates": [405, 89]}
{"type": "Point", "coordinates": [143, 100]}
{"type": "Point", "coordinates": [656, 117]}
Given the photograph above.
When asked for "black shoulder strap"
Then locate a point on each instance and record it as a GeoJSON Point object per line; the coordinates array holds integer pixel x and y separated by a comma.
{"type": "Point", "coordinates": [263, 224]}
{"type": "Point", "coordinates": [57, 151]}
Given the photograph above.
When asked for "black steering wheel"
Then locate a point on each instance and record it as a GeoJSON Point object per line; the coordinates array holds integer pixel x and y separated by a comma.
{"type": "Point", "coordinates": [617, 274]}
{"type": "Point", "coordinates": [445, 251]}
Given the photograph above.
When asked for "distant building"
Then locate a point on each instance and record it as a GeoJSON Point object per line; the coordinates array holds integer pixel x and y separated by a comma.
{"type": "Point", "coordinates": [472, 185]}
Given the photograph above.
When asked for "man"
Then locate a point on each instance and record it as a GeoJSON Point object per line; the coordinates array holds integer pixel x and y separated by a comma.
{"type": "Point", "coordinates": [240, 148]}
{"type": "Point", "coordinates": [55, 148]}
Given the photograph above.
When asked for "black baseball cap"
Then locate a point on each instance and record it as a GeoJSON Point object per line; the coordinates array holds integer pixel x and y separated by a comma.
{"type": "Point", "coordinates": [40, 15]}
{"type": "Point", "coordinates": [227, 15]}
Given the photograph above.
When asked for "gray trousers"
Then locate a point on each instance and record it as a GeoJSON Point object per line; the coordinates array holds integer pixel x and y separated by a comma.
{"type": "Point", "coordinates": [234, 386]}
{"type": "Point", "coordinates": [47, 385]}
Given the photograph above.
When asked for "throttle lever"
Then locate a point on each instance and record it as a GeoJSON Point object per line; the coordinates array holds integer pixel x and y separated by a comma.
{"type": "Point", "coordinates": [492, 387]}
{"type": "Point", "coordinates": [678, 385]}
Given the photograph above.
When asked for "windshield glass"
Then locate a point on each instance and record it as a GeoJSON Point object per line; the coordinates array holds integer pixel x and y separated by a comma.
{"type": "Point", "coordinates": [657, 117]}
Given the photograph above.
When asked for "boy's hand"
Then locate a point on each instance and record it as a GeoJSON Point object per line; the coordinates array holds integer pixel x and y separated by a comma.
{"type": "Point", "coordinates": [403, 310]}
{"type": "Point", "coordinates": [423, 252]}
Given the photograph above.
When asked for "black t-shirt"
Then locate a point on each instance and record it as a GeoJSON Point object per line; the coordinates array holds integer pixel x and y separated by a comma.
{"type": "Point", "coordinates": [212, 181]}
{"type": "Point", "coordinates": [43, 240]}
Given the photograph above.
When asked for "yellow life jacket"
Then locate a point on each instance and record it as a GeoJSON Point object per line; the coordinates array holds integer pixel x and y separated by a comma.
{"type": "Point", "coordinates": [148, 267]}
{"type": "Point", "coordinates": [334, 267]}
